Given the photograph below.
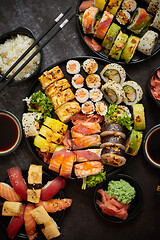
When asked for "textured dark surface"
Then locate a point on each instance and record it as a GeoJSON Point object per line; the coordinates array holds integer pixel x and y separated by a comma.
{"type": "Point", "coordinates": [81, 221]}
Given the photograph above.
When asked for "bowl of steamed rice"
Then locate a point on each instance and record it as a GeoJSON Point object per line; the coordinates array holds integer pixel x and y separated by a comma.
{"type": "Point", "coordinates": [12, 45]}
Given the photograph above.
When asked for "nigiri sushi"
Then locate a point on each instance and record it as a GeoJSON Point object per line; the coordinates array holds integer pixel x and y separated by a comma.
{"type": "Point", "coordinates": [8, 193]}
{"type": "Point", "coordinates": [57, 158]}
{"type": "Point", "coordinates": [55, 205]}
{"type": "Point", "coordinates": [67, 164]}
{"type": "Point", "coordinates": [86, 141]}
{"type": "Point", "coordinates": [88, 155]}
{"type": "Point", "coordinates": [15, 224]}
{"type": "Point", "coordinates": [86, 128]}
{"type": "Point", "coordinates": [17, 181]}
{"type": "Point", "coordinates": [51, 188]}
{"type": "Point", "coordinates": [30, 223]}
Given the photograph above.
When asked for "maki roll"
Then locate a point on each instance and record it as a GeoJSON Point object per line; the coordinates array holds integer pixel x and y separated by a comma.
{"type": "Point", "coordinates": [123, 17]}
{"type": "Point", "coordinates": [89, 19]}
{"type": "Point", "coordinates": [77, 81]}
{"type": "Point", "coordinates": [147, 42]}
{"type": "Point", "coordinates": [95, 95]}
{"type": "Point", "coordinates": [103, 25]}
{"type": "Point", "coordinates": [138, 116]}
{"type": "Point", "coordinates": [114, 72]}
{"type": "Point", "coordinates": [90, 66]}
{"type": "Point", "coordinates": [113, 6]}
{"type": "Point", "coordinates": [118, 46]}
{"type": "Point", "coordinates": [132, 92]}
{"type": "Point", "coordinates": [156, 21]}
{"type": "Point", "coordinates": [154, 5]}
{"type": "Point", "coordinates": [93, 81]}
{"type": "Point", "coordinates": [140, 22]}
{"type": "Point", "coordinates": [130, 48]}
{"type": "Point", "coordinates": [113, 92]}
{"type": "Point", "coordinates": [134, 142]}
{"type": "Point", "coordinates": [110, 37]}
{"type": "Point", "coordinates": [129, 5]}
{"type": "Point", "coordinates": [82, 95]}
{"type": "Point", "coordinates": [73, 67]}
{"type": "Point", "coordinates": [88, 107]}
{"type": "Point", "coordinates": [101, 108]}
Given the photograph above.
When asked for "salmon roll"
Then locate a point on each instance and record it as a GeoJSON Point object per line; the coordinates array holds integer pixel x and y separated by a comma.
{"type": "Point", "coordinates": [90, 66]}
{"type": "Point", "coordinates": [82, 95]}
{"type": "Point", "coordinates": [95, 95]}
{"type": "Point", "coordinates": [93, 81]}
{"type": "Point", "coordinates": [132, 92]}
{"type": "Point", "coordinates": [129, 5]}
{"type": "Point", "coordinates": [88, 107]}
{"type": "Point", "coordinates": [123, 17]}
{"type": "Point", "coordinates": [89, 19]}
{"type": "Point", "coordinates": [77, 81]}
{"type": "Point", "coordinates": [73, 67]}
{"type": "Point", "coordinates": [103, 25]}
{"type": "Point", "coordinates": [101, 108]}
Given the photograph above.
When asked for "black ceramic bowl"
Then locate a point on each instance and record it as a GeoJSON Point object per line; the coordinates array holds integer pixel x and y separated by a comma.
{"type": "Point", "coordinates": [26, 32]}
{"type": "Point", "coordinates": [149, 87]}
{"type": "Point", "coordinates": [151, 146]}
{"type": "Point", "coordinates": [135, 205]}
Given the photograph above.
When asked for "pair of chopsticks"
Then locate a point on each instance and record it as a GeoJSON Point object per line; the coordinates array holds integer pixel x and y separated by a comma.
{"type": "Point", "coordinates": [61, 15]}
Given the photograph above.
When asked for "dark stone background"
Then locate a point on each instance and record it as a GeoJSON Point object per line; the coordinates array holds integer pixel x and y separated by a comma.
{"type": "Point", "coordinates": [81, 221]}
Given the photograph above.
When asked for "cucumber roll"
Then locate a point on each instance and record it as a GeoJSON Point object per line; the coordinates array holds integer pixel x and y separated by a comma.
{"type": "Point", "coordinates": [114, 72]}
{"type": "Point", "coordinates": [130, 48]}
{"type": "Point", "coordinates": [134, 142]}
{"type": "Point", "coordinates": [113, 92]}
{"type": "Point", "coordinates": [110, 37]}
{"type": "Point", "coordinates": [118, 46]}
{"type": "Point", "coordinates": [138, 116]}
{"type": "Point", "coordinates": [132, 92]}
{"type": "Point", "coordinates": [140, 22]}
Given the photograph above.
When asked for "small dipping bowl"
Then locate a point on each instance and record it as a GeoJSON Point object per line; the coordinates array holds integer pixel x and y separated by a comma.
{"type": "Point", "coordinates": [10, 132]}
{"type": "Point", "coordinates": [151, 88]}
{"type": "Point", "coordinates": [151, 146]}
{"type": "Point", "coordinates": [26, 32]}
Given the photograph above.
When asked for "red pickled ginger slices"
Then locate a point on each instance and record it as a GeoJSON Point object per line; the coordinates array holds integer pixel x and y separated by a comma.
{"type": "Point", "coordinates": [15, 224]}
{"type": "Point", "coordinates": [17, 181]}
{"type": "Point", "coordinates": [52, 187]}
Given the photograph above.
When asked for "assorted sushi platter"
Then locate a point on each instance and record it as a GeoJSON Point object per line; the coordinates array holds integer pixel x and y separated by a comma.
{"type": "Point", "coordinates": [84, 119]}
{"type": "Point", "coordinates": [124, 31]}
{"type": "Point", "coordinates": [32, 203]}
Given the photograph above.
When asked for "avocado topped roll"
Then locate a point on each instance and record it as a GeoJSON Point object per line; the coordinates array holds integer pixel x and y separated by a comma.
{"type": "Point", "coordinates": [130, 48]}
{"type": "Point", "coordinates": [113, 6]}
{"type": "Point", "coordinates": [114, 72]}
{"type": "Point", "coordinates": [132, 92]}
{"type": "Point", "coordinates": [89, 19]}
{"type": "Point", "coordinates": [113, 92]}
{"type": "Point", "coordinates": [140, 21]}
{"type": "Point", "coordinates": [118, 46]}
{"type": "Point", "coordinates": [110, 37]}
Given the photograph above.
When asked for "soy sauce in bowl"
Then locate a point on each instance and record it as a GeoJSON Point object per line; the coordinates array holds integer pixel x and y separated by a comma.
{"type": "Point", "coordinates": [10, 132]}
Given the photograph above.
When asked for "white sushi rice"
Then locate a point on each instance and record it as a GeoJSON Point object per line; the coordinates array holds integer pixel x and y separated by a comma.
{"type": "Point", "coordinates": [95, 95]}
{"type": "Point", "coordinates": [29, 123]}
{"type": "Point", "coordinates": [90, 66]}
{"type": "Point", "coordinates": [74, 79]}
{"type": "Point", "coordinates": [101, 108]}
{"type": "Point", "coordinates": [11, 50]}
{"type": "Point", "coordinates": [88, 104]}
{"type": "Point", "coordinates": [156, 21]}
{"type": "Point", "coordinates": [129, 5]}
{"type": "Point", "coordinates": [82, 95]}
{"type": "Point", "coordinates": [73, 63]}
{"type": "Point", "coordinates": [123, 16]}
{"type": "Point", "coordinates": [93, 81]}
{"type": "Point", "coordinates": [147, 42]}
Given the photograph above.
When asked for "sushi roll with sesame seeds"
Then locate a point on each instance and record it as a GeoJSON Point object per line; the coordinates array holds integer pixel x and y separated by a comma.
{"type": "Point", "coordinates": [113, 92]}
{"type": "Point", "coordinates": [73, 67]}
{"type": "Point", "coordinates": [129, 5]}
{"type": "Point", "coordinates": [147, 42]}
{"type": "Point", "coordinates": [156, 21]}
{"type": "Point", "coordinates": [95, 95]}
{"type": "Point", "coordinates": [93, 81]}
{"type": "Point", "coordinates": [154, 6]}
{"type": "Point", "coordinates": [132, 92]}
{"type": "Point", "coordinates": [88, 107]}
{"type": "Point", "coordinates": [101, 108]}
{"type": "Point", "coordinates": [82, 95]}
{"type": "Point", "coordinates": [77, 81]}
{"type": "Point", "coordinates": [114, 72]}
{"type": "Point", "coordinates": [90, 66]}
{"type": "Point", "coordinates": [123, 17]}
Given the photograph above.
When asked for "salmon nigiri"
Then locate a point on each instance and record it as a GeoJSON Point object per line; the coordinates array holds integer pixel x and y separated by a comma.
{"type": "Point", "coordinates": [67, 164]}
{"type": "Point", "coordinates": [30, 223]}
{"type": "Point", "coordinates": [55, 205]}
{"type": "Point", "coordinates": [8, 193]}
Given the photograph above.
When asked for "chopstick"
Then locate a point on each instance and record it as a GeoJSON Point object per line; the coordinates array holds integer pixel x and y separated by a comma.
{"type": "Point", "coordinates": [34, 44]}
